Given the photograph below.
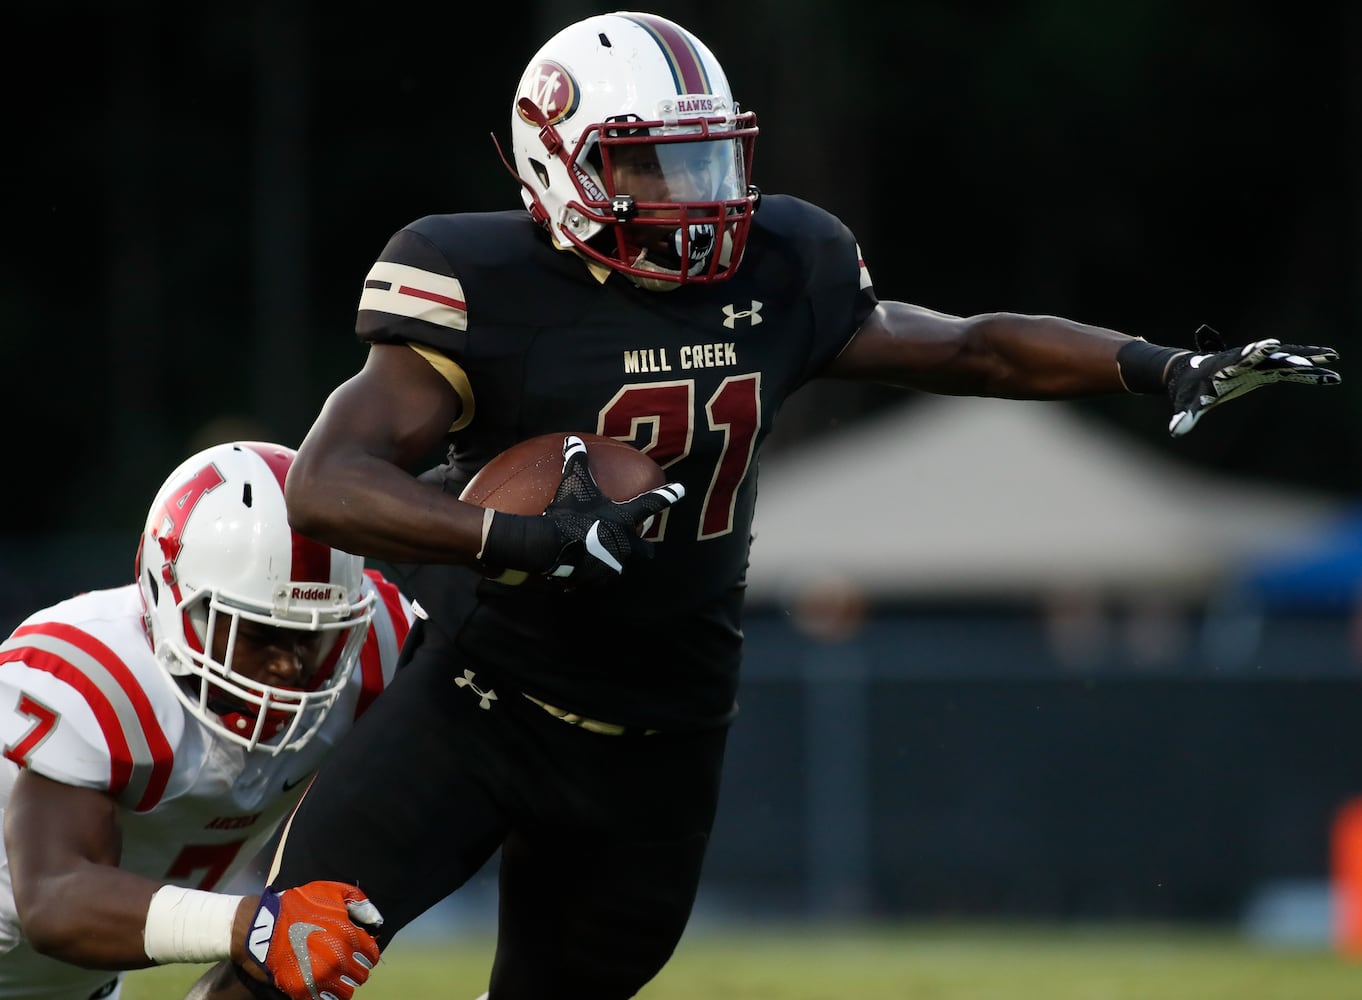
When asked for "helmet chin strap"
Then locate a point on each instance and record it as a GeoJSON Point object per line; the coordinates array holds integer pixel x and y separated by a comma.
{"type": "Point", "coordinates": [652, 284]}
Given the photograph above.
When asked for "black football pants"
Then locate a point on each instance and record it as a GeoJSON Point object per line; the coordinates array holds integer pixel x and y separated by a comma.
{"type": "Point", "coordinates": [602, 837]}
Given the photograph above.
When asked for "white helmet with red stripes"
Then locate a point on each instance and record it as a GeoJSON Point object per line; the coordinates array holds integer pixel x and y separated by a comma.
{"type": "Point", "coordinates": [630, 148]}
{"type": "Point", "coordinates": [217, 551]}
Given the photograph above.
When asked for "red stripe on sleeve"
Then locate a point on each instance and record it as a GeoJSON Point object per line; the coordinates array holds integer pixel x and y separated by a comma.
{"type": "Point", "coordinates": [370, 659]}
{"type": "Point", "coordinates": [392, 599]}
{"type": "Point", "coordinates": [120, 757]}
{"type": "Point", "coordinates": [422, 293]}
{"type": "Point", "coordinates": [371, 674]}
{"type": "Point", "coordinates": [162, 757]}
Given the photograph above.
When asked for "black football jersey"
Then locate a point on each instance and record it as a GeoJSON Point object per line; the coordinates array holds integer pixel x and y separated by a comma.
{"type": "Point", "coordinates": [695, 376]}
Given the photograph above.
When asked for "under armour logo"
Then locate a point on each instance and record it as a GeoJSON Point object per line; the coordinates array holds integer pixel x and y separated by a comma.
{"type": "Point", "coordinates": [732, 314]}
{"type": "Point", "coordinates": [485, 697]}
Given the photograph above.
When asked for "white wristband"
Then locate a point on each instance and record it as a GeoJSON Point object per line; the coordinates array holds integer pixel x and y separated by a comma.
{"type": "Point", "coordinates": [189, 925]}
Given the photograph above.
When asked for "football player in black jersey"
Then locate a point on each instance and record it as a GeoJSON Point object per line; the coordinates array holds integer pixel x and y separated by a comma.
{"type": "Point", "coordinates": [650, 293]}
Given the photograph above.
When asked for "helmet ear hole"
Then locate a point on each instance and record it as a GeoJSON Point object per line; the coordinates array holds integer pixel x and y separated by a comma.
{"type": "Point", "coordinates": [541, 172]}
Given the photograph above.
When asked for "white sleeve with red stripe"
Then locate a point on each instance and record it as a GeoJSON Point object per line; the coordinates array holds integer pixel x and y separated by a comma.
{"type": "Point", "coordinates": [48, 726]}
{"type": "Point", "coordinates": [75, 706]}
{"type": "Point", "coordinates": [392, 621]}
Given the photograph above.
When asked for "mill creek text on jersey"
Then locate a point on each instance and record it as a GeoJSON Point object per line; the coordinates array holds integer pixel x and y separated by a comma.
{"type": "Point", "coordinates": [692, 356]}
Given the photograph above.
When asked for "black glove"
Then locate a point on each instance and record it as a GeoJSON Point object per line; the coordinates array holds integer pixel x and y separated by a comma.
{"type": "Point", "coordinates": [1202, 381]}
{"type": "Point", "coordinates": [583, 537]}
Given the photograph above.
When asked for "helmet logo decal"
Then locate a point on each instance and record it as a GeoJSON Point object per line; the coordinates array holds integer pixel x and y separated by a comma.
{"type": "Point", "coordinates": [552, 89]}
{"type": "Point", "coordinates": [170, 520]}
{"type": "Point", "coordinates": [677, 45]}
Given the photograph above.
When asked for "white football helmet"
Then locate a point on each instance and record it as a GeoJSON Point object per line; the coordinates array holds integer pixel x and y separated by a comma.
{"type": "Point", "coordinates": [629, 147]}
{"type": "Point", "coordinates": [217, 549]}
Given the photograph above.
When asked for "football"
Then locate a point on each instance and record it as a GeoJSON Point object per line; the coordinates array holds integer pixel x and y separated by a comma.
{"type": "Point", "coordinates": [524, 477]}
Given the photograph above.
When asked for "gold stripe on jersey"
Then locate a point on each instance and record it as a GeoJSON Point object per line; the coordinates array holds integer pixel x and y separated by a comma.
{"type": "Point", "coordinates": [456, 377]}
{"type": "Point", "coordinates": [410, 291]}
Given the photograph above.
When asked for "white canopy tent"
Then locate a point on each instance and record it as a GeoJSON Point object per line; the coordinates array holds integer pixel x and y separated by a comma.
{"type": "Point", "coordinates": [969, 497]}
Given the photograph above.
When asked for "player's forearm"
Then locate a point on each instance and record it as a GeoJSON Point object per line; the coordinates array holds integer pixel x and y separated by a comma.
{"type": "Point", "coordinates": [98, 917]}
{"type": "Point", "coordinates": [380, 511]}
{"type": "Point", "coordinates": [992, 354]}
{"type": "Point", "coordinates": [1046, 357]}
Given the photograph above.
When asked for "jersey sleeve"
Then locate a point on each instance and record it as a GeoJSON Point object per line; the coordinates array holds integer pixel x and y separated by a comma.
{"type": "Point", "coordinates": [411, 295]}
{"type": "Point", "coordinates": [847, 297]}
{"type": "Point", "coordinates": [71, 710]}
{"type": "Point", "coordinates": [387, 632]}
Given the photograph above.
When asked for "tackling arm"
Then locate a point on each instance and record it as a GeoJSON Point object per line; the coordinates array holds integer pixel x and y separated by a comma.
{"type": "Point", "coordinates": [74, 902]}
{"type": "Point", "coordinates": [76, 905]}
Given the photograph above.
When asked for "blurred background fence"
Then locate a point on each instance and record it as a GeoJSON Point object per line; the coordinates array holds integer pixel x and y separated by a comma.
{"type": "Point", "coordinates": [943, 765]}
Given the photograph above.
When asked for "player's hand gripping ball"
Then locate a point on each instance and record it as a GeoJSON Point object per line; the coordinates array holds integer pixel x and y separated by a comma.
{"type": "Point", "coordinates": [568, 507]}
{"type": "Point", "coordinates": [313, 942]}
{"type": "Point", "coordinates": [524, 478]}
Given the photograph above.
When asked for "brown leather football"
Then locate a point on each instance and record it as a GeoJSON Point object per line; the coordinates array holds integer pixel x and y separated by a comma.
{"type": "Point", "coordinates": [524, 477]}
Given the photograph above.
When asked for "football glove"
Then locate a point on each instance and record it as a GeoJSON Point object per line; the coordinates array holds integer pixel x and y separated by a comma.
{"type": "Point", "coordinates": [313, 942]}
{"type": "Point", "coordinates": [1197, 383]}
{"type": "Point", "coordinates": [583, 538]}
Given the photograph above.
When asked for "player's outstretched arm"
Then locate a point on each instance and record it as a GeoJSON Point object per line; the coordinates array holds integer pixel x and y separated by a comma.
{"type": "Point", "coordinates": [1047, 357]}
{"type": "Point", "coordinates": [583, 537]}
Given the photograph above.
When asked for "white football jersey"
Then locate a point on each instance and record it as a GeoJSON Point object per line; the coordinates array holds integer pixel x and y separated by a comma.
{"type": "Point", "coordinates": [83, 701]}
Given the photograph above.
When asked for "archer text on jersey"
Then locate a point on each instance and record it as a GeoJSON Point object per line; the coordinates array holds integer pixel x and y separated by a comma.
{"type": "Point", "coordinates": [724, 355]}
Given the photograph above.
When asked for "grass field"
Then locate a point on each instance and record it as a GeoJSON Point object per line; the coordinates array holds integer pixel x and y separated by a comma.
{"type": "Point", "coordinates": [912, 962]}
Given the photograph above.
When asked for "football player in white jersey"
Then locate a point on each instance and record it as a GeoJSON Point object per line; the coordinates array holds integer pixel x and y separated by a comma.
{"type": "Point", "coordinates": [155, 735]}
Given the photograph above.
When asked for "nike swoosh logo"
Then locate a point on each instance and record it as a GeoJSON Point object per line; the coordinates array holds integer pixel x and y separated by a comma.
{"type": "Point", "coordinates": [597, 549]}
{"type": "Point", "coordinates": [297, 939]}
{"type": "Point", "coordinates": [290, 785]}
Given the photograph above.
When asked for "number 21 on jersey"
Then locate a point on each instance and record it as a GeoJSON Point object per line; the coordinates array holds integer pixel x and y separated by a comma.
{"type": "Point", "coordinates": [733, 411]}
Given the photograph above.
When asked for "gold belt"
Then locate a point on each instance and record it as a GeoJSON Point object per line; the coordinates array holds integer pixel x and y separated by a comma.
{"type": "Point", "coordinates": [591, 725]}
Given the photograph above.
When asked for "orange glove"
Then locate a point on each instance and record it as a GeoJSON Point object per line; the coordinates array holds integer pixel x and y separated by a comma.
{"type": "Point", "coordinates": [312, 943]}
